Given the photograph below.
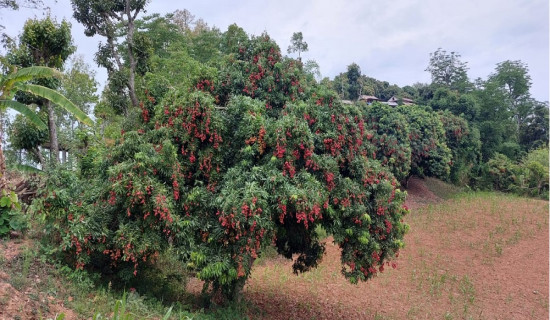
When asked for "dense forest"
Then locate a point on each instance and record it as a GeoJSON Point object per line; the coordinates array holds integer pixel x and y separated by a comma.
{"type": "Point", "coordinates": [214, 145]}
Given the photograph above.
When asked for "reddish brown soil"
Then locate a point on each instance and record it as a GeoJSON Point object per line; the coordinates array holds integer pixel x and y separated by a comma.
{"type": "Point", "coordinates": [418, 194]}
{"type": "Point", "coordinates": [28, 302]}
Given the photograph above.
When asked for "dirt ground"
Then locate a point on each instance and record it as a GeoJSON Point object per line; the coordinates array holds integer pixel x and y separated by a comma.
{"type": "Point", "coordinates": [29, 302]}
{"type": "Point", "coordinates": [493, 266]}
{"type": "Point", "coordinates": [479, 258]}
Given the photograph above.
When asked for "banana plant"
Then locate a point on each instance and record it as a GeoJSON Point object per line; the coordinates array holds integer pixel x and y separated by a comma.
{"type": "Point", "coordinates": [16, 81]}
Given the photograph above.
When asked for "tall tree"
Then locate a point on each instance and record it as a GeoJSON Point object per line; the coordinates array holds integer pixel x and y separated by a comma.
{"type": "Point", "coordinates": [79, 86]}
{"type": "Point", "coordinates": [354, 81]}
{"type": "Point", "coordinates": [448, 70]}
{"type": "Point", "coordinates": [46, 43]}
{"type": "Point", "coordinates": [512, 77]}
{"type": "Point", "coordinates": [341, 85]}
{"type": "Point", "coordinates": [297, 44]}
{"type": "Point", "coordinates": [184, 20]}
{"type": "Point", "coordinates": [102, 17]}
{"type": "Point", "coordinates": [311, 68]}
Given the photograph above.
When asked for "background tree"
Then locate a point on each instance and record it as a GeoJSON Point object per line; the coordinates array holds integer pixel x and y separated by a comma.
{"type": "Point", "coordinates": [534, 130]}
{"type": "Point", "coordinates": [103, 18]}
{"type": "Point", "coordinates": [234, 38]}
{"type": "Point", "coordinates": [430, 155]}
{"type": "Point", "coordinates": [79, 86]}
{"type": "Point", "coordinates": [390, 134]}
{"type": "Point", "coordinates": [184, 20]}
{"type": "Point", "coordinates": [513, 78]}
{"type": "Point", "coordinates": [464, 105]}
{"type": "Point", "coordinates": [354, 81]}
{"type": "Point", "coordinates": [297, 44]}
{"type": "Point", "coordinates": [448, 70]}
{"type": "Point", "coordinates": [498, 129]}
{"type": "Point", "coordinates": [15, 82]}
{"type": "Point", "coordinates": [341, 85]}
{"type": "Point", "coordinates": [312, 68]}
{"type": "Point", "coordinates": [465, 145]}
{"type": "Point", "coordinates": [47, 43]}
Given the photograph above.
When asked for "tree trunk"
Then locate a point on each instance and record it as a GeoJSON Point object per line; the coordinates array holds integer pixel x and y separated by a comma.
{"type": "Point", "coordinates": [3, 181]}
{"type": "Point", "coordinates": [54, 144]}
{"type": "Point", "coordinates": [131, 58]}
{"type": "Point", "coordinates": [2, 160]}
{"type": "Point", "coordinates": [38, 154]}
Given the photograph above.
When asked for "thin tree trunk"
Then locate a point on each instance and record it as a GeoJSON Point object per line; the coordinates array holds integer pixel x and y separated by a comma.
{"type": "Point", "coordinates": [3, 180]}
{"type": "Point", "coordinates": [2, 160]}
{"type": "Point", "coordinates": [54, 144]}
{"type": "Point", "coordinates": [131, 58]}
{"type": "Point", "coordinates": [41, 160]}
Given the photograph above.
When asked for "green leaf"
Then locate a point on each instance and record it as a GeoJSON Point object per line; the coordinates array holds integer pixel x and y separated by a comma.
{"type": "Point", "coordinates": [5, 202]}
{"type": "Point", "coordinates": [13, 197]}
{"type": "Point", "coordinates": [15, 224]}
{"type": "Point", "coordinates": [167, 315]}
{"type": "Point", "coordinates": [31, 73]}
{"type": "Point", "coordinates": [56, 98]}
{"type": "Point", "coordinates": [24, 110]}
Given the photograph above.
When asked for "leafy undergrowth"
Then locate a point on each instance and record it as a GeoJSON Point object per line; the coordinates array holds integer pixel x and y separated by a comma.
{"type": "Point", "coordinates": [473, 256]}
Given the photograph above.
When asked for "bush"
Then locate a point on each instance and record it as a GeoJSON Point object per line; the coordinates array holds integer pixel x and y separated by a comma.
{"type": "Point", "coordinates": [11, 217]}
{"type": "Point", "coordinates": [528, 177]}
{"type": "Point", "coordinates": [503, 173]}
{"type": "Point", "coordinates": [390, 135]}
{"type": "Point", "coordinates": [430, 156]}
{"type": "Point", "coordinates": [535, 165]}
{"type": "Point", "coordinates": [465, 146]}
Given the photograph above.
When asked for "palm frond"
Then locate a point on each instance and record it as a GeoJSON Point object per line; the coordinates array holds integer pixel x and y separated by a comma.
{"type": "Point", "coordinates": [24, 110]}
{"type": "Point", "coordinates": [57, 98]}
{"type": "Point", "coordinates": [30, 73]}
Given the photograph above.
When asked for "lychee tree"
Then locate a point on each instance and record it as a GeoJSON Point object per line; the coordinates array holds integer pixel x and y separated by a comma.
{"type": "Point", "coordinates": [221, 175]}
{"type": "Point", "coordinates": [430, 155]}
{"type": "Point", "coordinates": [390, 135]}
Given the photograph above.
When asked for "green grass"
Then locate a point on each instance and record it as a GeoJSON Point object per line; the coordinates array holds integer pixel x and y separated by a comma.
{"type": "Point", "coordinates": [442, 189]}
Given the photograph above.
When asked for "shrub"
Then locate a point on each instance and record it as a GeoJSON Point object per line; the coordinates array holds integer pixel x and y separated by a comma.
{"type": "Point", "coordinates": [465, 146]}
{"type": "Point", "coordinates": [504, 174]}
{"type": "Point", "coordinates": [390, 135]}
{"type": "Point", "coordinates": [535, 165]}
{"type": "Point", "coordinates": [11, 217]}
{"type": "Point", "coordinates": [528, 177]}
{"type": "Point", "coordinates": [430, 156]}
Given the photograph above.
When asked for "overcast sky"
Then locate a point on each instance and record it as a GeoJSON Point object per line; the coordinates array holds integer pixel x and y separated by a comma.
{"type": "Point", "coordinates": [389, 40]}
